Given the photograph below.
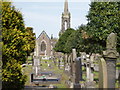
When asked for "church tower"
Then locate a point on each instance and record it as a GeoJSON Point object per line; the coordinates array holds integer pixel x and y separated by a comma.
{"type": "Point", "coordinates": [65, 23]}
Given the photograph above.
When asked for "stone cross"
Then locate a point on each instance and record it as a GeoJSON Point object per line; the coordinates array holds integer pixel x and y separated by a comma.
{"type": "Point", "coordinates": [110, 56]}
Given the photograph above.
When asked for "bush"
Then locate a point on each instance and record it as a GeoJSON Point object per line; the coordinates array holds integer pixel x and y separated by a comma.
{"type": "Point", "coordinates": [12, 76]}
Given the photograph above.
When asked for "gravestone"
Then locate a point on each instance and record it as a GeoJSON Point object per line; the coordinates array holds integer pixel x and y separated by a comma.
{"type": "Point", "coordinates": [74, 56]}
{"type": "Point", "coordinates": [80, 66]}
{"type": "Point", "coordinates": [92, 67]}
{"type": "Point", "coordinates": [88, 70]}
{"type": "Point", "coordinates": [76, 74]}
{"type": "Point", "coordinates": [110, 56]}
{"type": "Point", "coordinates": [119, 80]}
{"type": "Point", "coordinates": [59, 62]}
{"type": "Point", "coordinates": [76, 70]}
{"type": "Point", "coordinates": [36, 65]}
{"type": "Point", "coordinates": [89, 75]}
{"type": "Point", "coordinates": [71, 69]}
{"type": "Point", "coordinates": [65, 61]}
{"type": "Point", "coordinates": [103, 74]}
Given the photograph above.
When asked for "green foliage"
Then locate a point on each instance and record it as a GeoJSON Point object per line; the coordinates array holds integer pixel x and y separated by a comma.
{"type": "Point", "coordinates": [103, 18]}
{"type": "Point", "coordinates": [18, 43]}
{"type": "Point", "coordinates": [60, 45]}
{"type": "Point", "coordinates": [12, 76]}
{"type": "Point", "coordinates": [30, 40]}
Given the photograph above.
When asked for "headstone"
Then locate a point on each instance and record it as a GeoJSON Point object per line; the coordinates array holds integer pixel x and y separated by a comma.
{"type": "Point", "coordinates": [92, 67]}
{"type": "Point", "coordinates": [80, 63]}
{"type": "Point", "coordinates": [59, 62]}
{"type": "Point", "coordinates": [110, 56]}
{"type": "Point", "coordinates": [103, 74]}
{"type": "Point", "coordinates": [71, 69]}
{"type": "Point", "coordinates": [76, 74]}
{"type": "Point", "coordinates": [89, 78]}
{"type": "Point", "coordinates": [96, 67]}
{"type": "Point", "coordinates": [65, 61]}
{"type": "Point", "coordinates": [74, 56]}
{"type": "Point", "coordinates": [76, 70]}
{"type": "Point", "coordinates": [119, 80]}
{"type": "Point", "coordinates": [36, 66]}
{"type": "Point", "coordinates": [88, 70]}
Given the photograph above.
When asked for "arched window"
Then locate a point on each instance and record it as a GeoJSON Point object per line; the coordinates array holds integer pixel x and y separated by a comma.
{"type": "Point", "coordinates": [43, 46]}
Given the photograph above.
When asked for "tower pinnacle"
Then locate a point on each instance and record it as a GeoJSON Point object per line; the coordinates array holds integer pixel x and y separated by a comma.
{"type": "Point", "coordinates": [66, 6]}
{"type": "Point", "coordinates": [65, 23]}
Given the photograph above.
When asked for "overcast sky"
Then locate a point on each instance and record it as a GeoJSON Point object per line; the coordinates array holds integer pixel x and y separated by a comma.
{"type": "Point", "coordinates": [44, 15]}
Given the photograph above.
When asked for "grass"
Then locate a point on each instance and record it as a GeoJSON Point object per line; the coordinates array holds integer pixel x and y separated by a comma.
{"type": "Point", "coordinates": [28, 69]}
{"type": "Point", "coordinates": [56, 70]}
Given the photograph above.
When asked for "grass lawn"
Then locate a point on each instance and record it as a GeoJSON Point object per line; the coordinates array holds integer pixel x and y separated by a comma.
{"type": "Point", "coordinates": [28, 69]}
{"type": "Point", "coordinates": [54, 68]}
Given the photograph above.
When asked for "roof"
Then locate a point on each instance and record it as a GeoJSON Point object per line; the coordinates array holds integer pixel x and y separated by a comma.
{"type": "Point", "coordinates": [43, 32]}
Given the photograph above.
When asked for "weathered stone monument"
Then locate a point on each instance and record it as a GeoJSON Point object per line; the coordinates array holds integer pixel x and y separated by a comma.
{"type": "Point", "coordinates": [119, 80]}
{"type": "Point", "coordinates": [103, 74]}
{"type": "Point", "coordinates": [65, 61]}
{"type": "Point", "coordinates": [110, 56]}
{"type": "Point", "coordinates": [76, 70]}
{"type": "Point", "coordinates": [89, 75]}
{"type": "Point", "coordinates": [80, 67]}
{"type": "Point", "coordinates": [36, 65]}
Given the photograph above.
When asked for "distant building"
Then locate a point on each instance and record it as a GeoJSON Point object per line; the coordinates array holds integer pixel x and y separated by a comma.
{"type": "Point", "coordinates": [44, 45]}
{"type": "Point", "coordinates": [66, 16]}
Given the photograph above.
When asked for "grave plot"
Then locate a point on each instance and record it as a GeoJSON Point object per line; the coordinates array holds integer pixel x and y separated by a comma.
{"type": "Point", "coordinates": [40, 76]}
{"type": "Point", "coordinates": [45, 78]}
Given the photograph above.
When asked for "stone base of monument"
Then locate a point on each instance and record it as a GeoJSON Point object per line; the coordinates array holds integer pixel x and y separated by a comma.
{"type": "Point", "coordinates": [44, 78]}
{"type": "Point", "coordinates": [73, 85]}
{"type": "Point", "coordinates": [90, 84]}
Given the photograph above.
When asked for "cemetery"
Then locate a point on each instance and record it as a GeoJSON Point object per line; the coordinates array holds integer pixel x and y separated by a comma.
{"type": "Point", "coordinates": [87, 57]}
{"type": "Point", "coordinates": [86, 71]}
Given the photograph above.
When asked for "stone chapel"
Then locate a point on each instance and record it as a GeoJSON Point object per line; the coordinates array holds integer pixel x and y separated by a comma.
{"type": "Point", "coordinates": [45, 44]}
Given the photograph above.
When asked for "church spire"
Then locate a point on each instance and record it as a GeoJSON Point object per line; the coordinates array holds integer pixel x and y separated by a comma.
{"type": "Point", "coordinates": [66, 6]}
{"type": "Point", "coordinates": [65, 22]}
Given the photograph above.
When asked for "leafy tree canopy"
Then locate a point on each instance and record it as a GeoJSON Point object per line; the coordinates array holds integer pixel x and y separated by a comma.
{"type": "Point", "coordinates": [60, 45]}
{"type": "Point", "coordinates": [18, 42]}
{"type": "Point", "coordinates": [103, 18]}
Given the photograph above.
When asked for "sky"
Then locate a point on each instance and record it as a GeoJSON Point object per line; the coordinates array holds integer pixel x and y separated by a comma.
{"type": "Point", "coordinates": [46, 15]}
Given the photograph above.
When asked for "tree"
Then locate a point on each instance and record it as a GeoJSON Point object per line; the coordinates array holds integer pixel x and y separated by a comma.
{"type": "Point", "coordinates": [30, 40]}
{"type": "Point", "coordinates": [60, 45]}
{"type": "Point", "coordinates": [103, 18]}
{"type": "Point", "coordinates": [13, 78]}
{"type": "Point", "coordinates": [18, 42]}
